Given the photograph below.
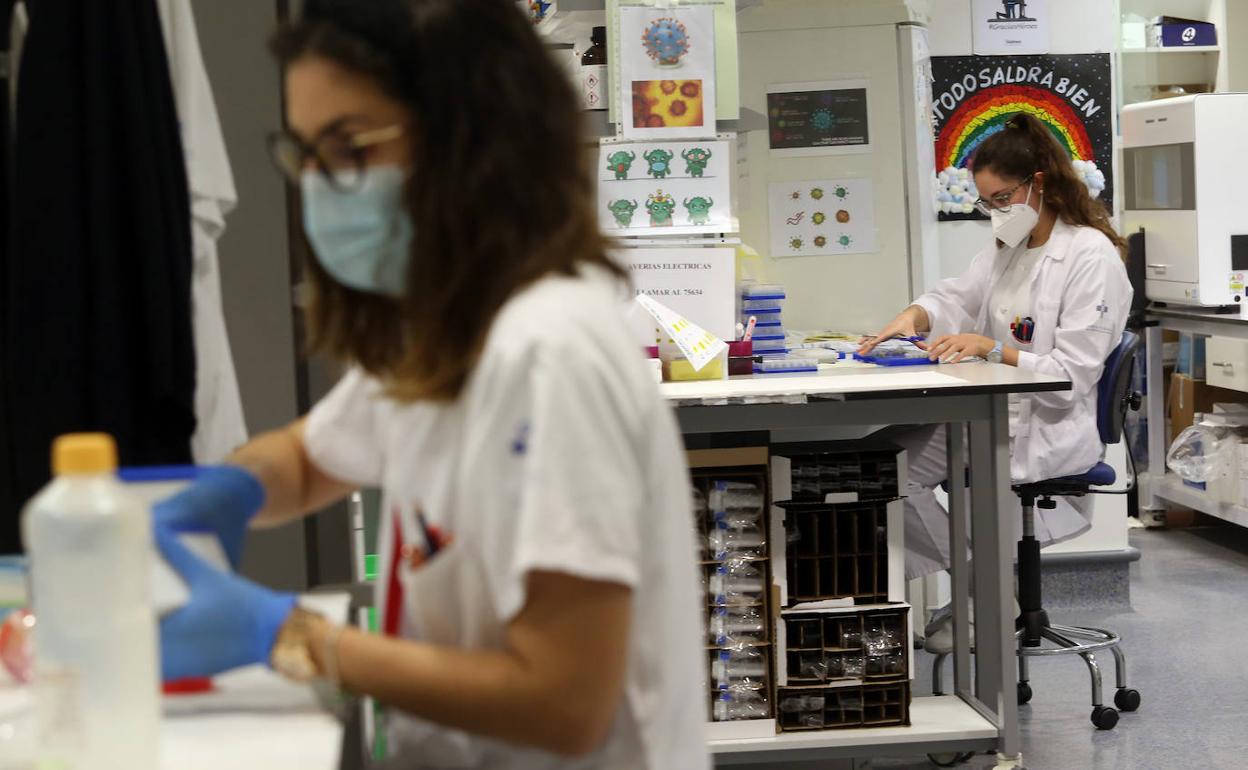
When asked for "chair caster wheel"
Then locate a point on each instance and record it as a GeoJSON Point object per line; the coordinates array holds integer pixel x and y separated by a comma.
{"type": "Point", "coordinates": [1024, 693]}
{"type": "Point", "coordinates": [1127, 699]}
{"type": "Point", "coordinates": [950, 759]}
{"type": "Point", "coordinates": [1104, 717]}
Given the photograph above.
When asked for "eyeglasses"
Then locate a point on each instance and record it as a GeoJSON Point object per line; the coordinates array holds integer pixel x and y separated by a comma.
{"type": "Point", "coordinates": [1000, 200]}
{"type": "Point", "coordinates": [340, 157]}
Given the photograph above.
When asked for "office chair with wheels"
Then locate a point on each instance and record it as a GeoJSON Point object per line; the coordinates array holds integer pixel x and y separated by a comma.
{"type": "Point", "coordinates": [1114, 398]}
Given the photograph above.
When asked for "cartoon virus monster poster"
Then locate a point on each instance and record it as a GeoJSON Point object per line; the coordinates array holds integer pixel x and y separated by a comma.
{"type": "Point", "coordinates": [667, 72]}
{"type": "Point", "coordinates": [822, 217]}
{"type": "Point", "coordinates": [670, 188]}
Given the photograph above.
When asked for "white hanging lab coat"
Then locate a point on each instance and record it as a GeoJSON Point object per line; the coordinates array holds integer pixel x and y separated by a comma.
{"type": "Point", "coordinates": [1080, 297]}
{"type": "Point", "coordinates": [218, 404]}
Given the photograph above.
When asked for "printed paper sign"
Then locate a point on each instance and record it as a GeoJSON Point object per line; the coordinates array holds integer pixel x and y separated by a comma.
{"type": "Point", "coordinates": [1011, 27]}
{"type": "Point", "coordinates": [700, 284]}
{"type": "Point", "coordinates": [667, 72]}
{"type": "Point", "coordinates": [826, 118]}
{"type": "Point", "coordinates": [699, 346]}
{"type": "Point", "coordinates": [822, 217]}
{"type": "Point", "coordinates": [665, 188]}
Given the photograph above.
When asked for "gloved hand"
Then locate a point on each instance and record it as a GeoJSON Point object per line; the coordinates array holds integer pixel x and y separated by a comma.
{"type": "Point", "coordinates": [229, 621]}
{"type": "Point", "coordinates": [222, 500]}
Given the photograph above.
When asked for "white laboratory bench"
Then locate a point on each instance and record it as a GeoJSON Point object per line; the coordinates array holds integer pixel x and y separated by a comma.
{"type": "Point", "coordinates": [1159, 485]}
{"type": "Point", "coordinates": [254, 718]}
{"type": "Point", "coordinates": [983, 714]}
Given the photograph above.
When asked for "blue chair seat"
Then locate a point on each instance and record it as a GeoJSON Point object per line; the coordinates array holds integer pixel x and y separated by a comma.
{"type": "Point", "coordinates": [1101, 475]}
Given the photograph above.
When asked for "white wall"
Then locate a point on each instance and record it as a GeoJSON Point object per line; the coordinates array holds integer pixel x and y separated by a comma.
{"type": "Point", "coordinates": [1079, 26]}
{"type": "Point", "coordinates": [796, 43]}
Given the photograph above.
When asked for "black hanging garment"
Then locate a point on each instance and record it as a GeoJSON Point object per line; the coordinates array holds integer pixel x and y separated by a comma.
{"type": "Point", "coordinates": [7, 468]}
{"type": "Point", "coordinates": [97, 311]}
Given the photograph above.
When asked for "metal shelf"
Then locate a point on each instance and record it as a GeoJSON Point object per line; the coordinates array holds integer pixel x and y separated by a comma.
{"type": "Point", "coordinates": [937, 723]}
{"type": "Point", "coordinates": [1173, 489]}
{"type": "Point", "coordinates": [1177, 49]}
{"type": "Point", "coordinates": [597, 126]}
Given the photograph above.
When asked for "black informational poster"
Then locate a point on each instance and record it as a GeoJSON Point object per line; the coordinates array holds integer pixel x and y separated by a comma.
{"type": "Point", "coordinates": [807, 119]}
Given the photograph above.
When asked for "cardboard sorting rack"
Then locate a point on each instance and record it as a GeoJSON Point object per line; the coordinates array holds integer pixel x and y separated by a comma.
{"type": "Point", "coordinates": [861, 677]}
{"type": "Point", "coordinates": [739, 603]}
{"type": "Point", "coordinates": [843, 645]}
{"type": "Point", "coordinates": [837, 472]}
{"type": "Point", "coordinates": [882, 704]}
{"type": "Point", "coordinates": [838, 510]}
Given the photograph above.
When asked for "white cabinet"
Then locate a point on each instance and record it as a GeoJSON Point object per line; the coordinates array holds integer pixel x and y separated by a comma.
{"type": "Point", "coordinates": [1227, 360]}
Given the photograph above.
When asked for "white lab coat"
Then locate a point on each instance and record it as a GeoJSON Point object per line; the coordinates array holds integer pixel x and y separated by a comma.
{"type": "Point", "coordinates": [220, 425]}
{"type": "Point", "coordinates": [1081, 299]}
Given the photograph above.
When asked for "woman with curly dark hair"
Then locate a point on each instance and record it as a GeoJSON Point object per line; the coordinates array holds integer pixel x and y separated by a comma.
{"type": "Point", "coordinates": [538, 590]}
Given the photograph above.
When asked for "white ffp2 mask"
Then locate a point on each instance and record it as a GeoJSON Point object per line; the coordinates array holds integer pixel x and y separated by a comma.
{"type": "Point", "coordinates": [1011, 225]}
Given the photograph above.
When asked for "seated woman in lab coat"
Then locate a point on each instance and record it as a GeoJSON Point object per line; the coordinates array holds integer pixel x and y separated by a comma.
{"type": "Point", "coordinates": [538, 591]}
{"type": "Point", "coordinates": [1049, 294]}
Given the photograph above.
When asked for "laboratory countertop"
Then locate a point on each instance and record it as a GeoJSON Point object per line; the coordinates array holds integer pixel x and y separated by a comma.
{"type": "Point", "coordinates": [254, 718]}
{"type": "Point", "coordinates": [1197, 314]}
{"type": "Point", "coordinates": [854, 382]}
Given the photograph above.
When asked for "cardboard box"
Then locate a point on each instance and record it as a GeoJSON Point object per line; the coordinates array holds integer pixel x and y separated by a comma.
{"type": "Point", "coordinates": [1191, 356]}
{"type": "Point", "coordinates": [1188, 397]}
{"type": "Point", "coordinates": [1242, 468]}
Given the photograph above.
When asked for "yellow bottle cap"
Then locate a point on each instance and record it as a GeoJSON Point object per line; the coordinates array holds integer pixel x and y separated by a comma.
{"type": "Point", "coordinates": [84, 453]}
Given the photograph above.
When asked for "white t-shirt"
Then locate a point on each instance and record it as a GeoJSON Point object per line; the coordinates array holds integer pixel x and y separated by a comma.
{"type": "Point", "coordinates": [559, 455]}
{"type": "Point", "coordinates": [1011, 312]}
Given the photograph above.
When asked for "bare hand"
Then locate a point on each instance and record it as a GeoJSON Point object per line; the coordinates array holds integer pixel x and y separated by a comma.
{"type": "Point", "coordinates": [952, 348]}
{"type": "Point", "coordinates": [901, 326]}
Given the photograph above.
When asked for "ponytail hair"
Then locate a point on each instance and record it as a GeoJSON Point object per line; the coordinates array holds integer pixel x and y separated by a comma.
{"type": "Point", "coordinates": [1026, 147]}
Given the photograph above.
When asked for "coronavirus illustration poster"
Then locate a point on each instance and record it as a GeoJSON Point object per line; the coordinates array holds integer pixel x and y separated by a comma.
{"type": "Point", "coordinates": [826, 118]}
{"type": "Point", "coordinates": [822, 217]}
{"type": "Point", "coordinates": [974, 96]}
{"type": "Point", "coordinates": [667, 72]}
{"type": "Point", "coordinates": [665, 188]}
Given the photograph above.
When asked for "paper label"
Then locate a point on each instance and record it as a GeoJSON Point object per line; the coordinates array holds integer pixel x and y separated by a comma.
{"type": "Point", "coordinates": [699, 346]}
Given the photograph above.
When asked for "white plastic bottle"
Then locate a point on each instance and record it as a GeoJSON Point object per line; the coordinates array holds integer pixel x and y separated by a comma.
{"type": "Point", "coordinates": [97, 680]}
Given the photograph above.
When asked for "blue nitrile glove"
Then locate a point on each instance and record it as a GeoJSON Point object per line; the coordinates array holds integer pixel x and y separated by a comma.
{"type": "Point", "coordinates": [222, 500]}
{"type": "Point", "coordinates": [229, 621]}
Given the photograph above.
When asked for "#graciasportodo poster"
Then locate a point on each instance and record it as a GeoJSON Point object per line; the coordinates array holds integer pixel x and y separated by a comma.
{"type": "Point", "coordinates": [667, 72]}
{"type": "Point", "coordinates": [973, 97]}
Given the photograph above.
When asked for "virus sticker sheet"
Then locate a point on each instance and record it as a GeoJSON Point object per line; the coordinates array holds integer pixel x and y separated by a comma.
{"type": "Point", "coordinates": [665, 188]}
{"type": "Point", "coordinates": [667, 72]}
{"type": "Point", "coordinates": [823, 217]}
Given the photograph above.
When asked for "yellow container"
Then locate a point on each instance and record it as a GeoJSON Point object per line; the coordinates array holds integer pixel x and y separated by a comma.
{"type": "Point", "coordinates": [678, 369]}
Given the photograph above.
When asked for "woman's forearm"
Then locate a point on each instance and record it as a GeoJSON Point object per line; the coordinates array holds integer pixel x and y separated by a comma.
{"type": "Point", "coordinates": [479, 691]}
{"type": "Point", "coordinates": [922, 323]}
{"type": "Point", "coordinates": [556, 685]}
{"type": "Point", "coordinates": [293, 485]}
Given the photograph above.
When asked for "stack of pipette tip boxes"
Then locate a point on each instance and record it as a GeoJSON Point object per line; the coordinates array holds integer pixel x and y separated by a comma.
{"type": "Point", "coordinates": [765, 304]}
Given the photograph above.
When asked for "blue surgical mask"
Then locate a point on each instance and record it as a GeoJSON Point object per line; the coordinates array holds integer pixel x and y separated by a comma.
{"type": "Point", "coordinates": [362, 237]}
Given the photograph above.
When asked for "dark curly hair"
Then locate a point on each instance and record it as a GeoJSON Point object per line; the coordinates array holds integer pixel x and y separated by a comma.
{"type": "Point", "coordinates": [500, 193]}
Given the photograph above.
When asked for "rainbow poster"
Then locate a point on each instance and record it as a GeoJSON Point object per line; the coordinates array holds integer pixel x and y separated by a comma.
{"type": "Point", "coordinates": [973, 96]}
